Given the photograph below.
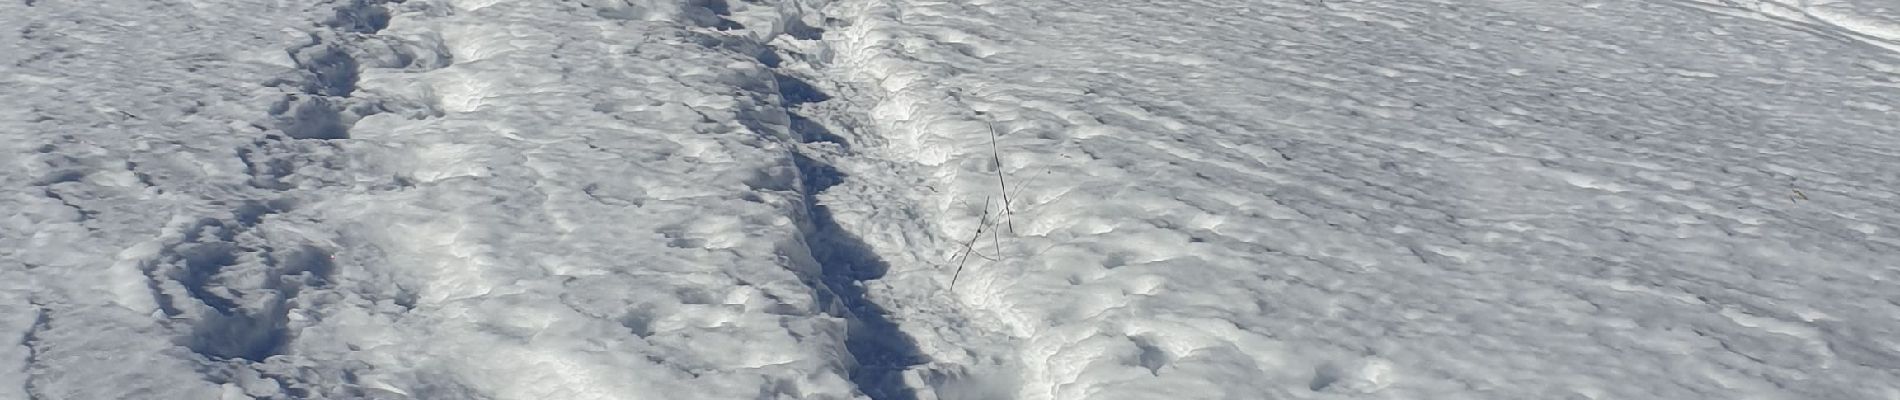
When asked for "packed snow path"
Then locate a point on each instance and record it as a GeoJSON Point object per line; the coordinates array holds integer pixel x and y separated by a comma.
{"type": "Point", "coordinates": [733, 199]}
{"type": "Point", "coordinates": [1387, 199]}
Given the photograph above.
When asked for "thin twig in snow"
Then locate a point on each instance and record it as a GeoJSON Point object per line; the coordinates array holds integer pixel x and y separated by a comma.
{"type": "Point", "coordinates": [1021, 187]}
{"type": "Point", "coordinates": [970, 246]}
{"type": "Point", "coordinates": [997, 154]}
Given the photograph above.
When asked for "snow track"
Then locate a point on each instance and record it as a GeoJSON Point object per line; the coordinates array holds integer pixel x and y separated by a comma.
{"type": "Point", "coordinates": [656, 233]}
{"type": "Point", "coordinates": [433, 200]}
{"type": "Point", "coordinates": [155, 174]}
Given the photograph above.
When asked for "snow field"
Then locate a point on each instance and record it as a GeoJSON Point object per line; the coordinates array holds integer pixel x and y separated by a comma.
{"type": "Point", "coordinates": [732, 199]}
{"type": "Point", "coordinates": [1379, 200]}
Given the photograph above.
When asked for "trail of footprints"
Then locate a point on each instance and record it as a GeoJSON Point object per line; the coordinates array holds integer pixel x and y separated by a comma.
{"type": "Point", "coordinates": [229, 279]}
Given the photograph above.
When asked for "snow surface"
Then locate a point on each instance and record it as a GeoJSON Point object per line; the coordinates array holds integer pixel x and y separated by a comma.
{"type": "Point", "coordinates": [709, 199]}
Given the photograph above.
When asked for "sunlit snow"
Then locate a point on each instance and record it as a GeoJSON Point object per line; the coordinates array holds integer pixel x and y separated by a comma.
{"type": "Point", "coordinates": [957, 200]}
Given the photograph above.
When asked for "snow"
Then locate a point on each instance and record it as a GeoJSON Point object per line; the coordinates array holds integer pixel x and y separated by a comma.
{"type": "Point", "coordinates": [800, 199]}
{"type": "Point", "coordinates": [1374, 199]}
{"type": "Point", "coordinates": [417, 203]}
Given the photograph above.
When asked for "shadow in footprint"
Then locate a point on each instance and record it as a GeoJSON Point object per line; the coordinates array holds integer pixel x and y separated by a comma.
{"type": "Point", "coordinates": [360, 16]}
{"type": "Point", "coordinates": [810, 131]}
{"type": "Point", "coordinates": [882, 350]}
{"type": "Point", "coordinates": [714, 14]}
{"type": "Point", "coordinates": [796, 91]}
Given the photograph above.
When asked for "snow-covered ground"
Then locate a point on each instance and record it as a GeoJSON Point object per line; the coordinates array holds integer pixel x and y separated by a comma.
{"type": "Point", "coordinates": [414, 200]}
{"type": "Point", "coordinates": [711, 199]}
{"type": "Point", "coordinates": [1378, 199]}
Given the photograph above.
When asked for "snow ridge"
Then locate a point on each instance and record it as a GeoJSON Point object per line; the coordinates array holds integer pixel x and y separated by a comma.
{"type": "Point", "coordinates": [879, 351]}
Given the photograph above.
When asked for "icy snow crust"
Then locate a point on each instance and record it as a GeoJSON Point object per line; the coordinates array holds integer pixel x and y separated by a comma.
{"type": "Point", "coordinates": [696, 199]}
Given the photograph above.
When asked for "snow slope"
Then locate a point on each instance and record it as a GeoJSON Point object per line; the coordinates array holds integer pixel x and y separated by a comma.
{"type": "Point", "coordinates": [709, 199]}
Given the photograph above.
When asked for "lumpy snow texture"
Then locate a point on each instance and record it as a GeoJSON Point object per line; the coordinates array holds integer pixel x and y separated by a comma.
{"type": "Point", "coordinates": [426, 199]}
{"type": "Point", "coordinates": [911, 199]}
{"type": "Point", "coordinates": [1391, 199]}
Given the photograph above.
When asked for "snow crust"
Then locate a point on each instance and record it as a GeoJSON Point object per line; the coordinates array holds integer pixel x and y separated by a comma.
{"type": "Point", "coordinates": [653, 199]}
